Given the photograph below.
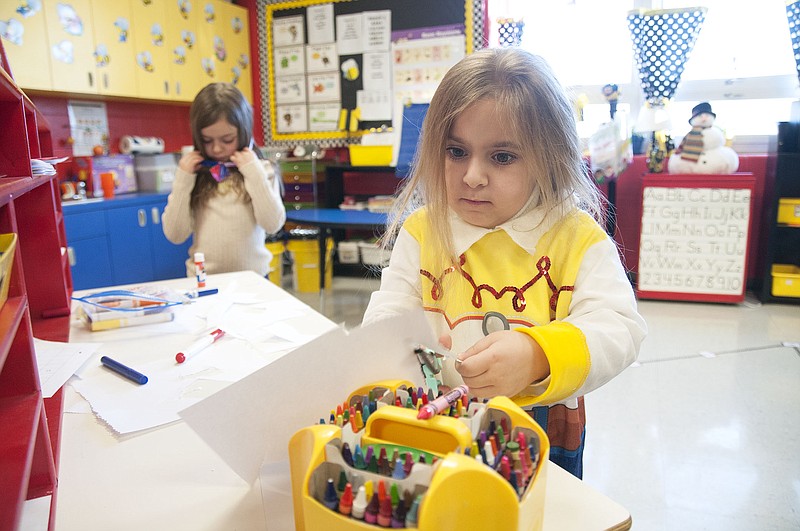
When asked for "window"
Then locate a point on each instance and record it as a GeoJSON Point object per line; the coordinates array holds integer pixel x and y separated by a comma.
{"type": "Point", "coordinates": [742, 62]}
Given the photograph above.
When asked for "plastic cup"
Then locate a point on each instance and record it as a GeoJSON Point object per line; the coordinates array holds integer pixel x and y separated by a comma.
{"type": "Point", "coordinates": [107, 182]}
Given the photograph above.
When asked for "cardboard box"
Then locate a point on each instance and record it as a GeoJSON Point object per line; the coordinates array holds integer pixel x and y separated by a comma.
{"type": "Point", "coordinates": [90, 168]}
{"type": "Point", "coordinates": [155, 173]}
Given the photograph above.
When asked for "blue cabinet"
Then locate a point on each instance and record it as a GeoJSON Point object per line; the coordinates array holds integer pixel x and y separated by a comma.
{"type": "Point", "coordinates": [120, 241]}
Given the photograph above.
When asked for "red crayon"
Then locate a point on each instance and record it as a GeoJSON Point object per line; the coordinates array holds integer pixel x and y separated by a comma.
{"type": "Point", "coordinates": [346, 501]}
{"type": "Point", "coordinates": [385, 513]}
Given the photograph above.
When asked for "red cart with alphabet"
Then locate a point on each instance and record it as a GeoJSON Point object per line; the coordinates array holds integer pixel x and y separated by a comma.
{"type": "Point", "coordinates": [694, 237]}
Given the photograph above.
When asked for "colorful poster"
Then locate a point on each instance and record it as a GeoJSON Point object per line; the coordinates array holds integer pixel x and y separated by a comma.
{"type": "Point", "coordinates": [323, 87]}
{"type": "Point", "coordinates": [288, 31]}
{"type": "Point", "coordinates": [321, 57]}
{"type": "Point", "coordinates": [289, 60]}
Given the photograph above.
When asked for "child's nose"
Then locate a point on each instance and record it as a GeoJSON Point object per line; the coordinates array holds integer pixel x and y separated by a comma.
{"type": "Point", "coordinates": [475, 175]}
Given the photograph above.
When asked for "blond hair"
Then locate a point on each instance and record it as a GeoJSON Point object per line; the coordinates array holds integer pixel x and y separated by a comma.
{"type": "Point", "coordinates": [540, 118]}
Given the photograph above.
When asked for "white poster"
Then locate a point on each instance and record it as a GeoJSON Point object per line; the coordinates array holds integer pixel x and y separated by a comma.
{"type": "Point", "coordinates": [290, 89]}
{"type": "Point", "coordinates": [289, 60]}
{"type": "Point", "coordinates": [377, 71]}
{"type": "Point", "coordinates": [321, 58]}
{"type": "Point", "coordinates": [377, 31]}
{"type": "Point", "coordinates": [287, 31]}
{"type": "Point", "coordinates": [291, 118]}
{"type": "Point", "coordinates": [88, 126]}
{"type": "Point", "coordinates": [320, 24]}
{"type": "Point", "coordinates": [349, 34]}
{"type": "Point", "coordinates": [323, 116]}
{"type": "Point", "coordinates": [375, 105]}
{"type": "Point", "coordinates": [323, 87]}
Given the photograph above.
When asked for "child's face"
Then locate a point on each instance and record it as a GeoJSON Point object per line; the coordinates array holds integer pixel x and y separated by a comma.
{"type": "Point", "coordinates": [487, 182]}
{"type": "Point", "coordinates": [220, 140]}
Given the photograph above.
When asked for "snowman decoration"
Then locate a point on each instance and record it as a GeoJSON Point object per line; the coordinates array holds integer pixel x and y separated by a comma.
{"type": "Point", "coordinates": [703, 149]}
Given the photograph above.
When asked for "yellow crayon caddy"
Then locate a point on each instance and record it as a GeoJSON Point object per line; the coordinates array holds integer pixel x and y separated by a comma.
{"type": "Point", "coordinates": [458, 491]}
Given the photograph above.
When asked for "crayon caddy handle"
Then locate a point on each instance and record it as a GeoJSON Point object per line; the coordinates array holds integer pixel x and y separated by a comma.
{"type": "Point", "coordinates": [439, 435]}
{"type": "Point", "coordinates": [390, 385]}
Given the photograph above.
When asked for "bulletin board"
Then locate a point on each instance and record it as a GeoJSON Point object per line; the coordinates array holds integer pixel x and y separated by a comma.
{"type": "Point", "coordinates": [337, 69]}
{"type": "Point", "coordinates": [694, 237]}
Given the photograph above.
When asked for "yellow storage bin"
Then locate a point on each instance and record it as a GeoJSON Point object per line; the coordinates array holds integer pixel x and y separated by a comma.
{"type": "Point", "coordinates": [456, 491]}
{"type": "Point", "coordinates": [8, 244]}
{"type": "Point", "coordinates": [789, 211]}
{"type": "Point", "coordinates": [305, 271]}
{"type": "Point", "coordinates": [785, 280]}
{"type": "Point", "coordinates": [370, 155]}
{"type": "Point", "coordinates": [276, 264]}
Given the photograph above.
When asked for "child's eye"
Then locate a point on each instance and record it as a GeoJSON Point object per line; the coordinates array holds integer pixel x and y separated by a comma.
{"type": "Point", "coordinates": [455, 152]}
{"type": "Point", "coordinates": [504, 158]}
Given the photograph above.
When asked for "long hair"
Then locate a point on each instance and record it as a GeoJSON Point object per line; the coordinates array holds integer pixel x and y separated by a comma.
{"type": "Point", "coordinates": [539, 116]}
{"type": "Point", "coordinates": [214, 102]}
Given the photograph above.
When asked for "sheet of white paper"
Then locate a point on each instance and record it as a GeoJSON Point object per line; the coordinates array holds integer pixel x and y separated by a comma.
{"type": "Point", "coordinates": [320, 23]}
{"type": "Point", "coordinates": [261, 322]}
{"type": "Point", "coordinates": [57, 362]}
{"type": "Point", "coordinates": [377, 71]}
{"type": "Point", "coordinates": [349, 34]}
{"type": "Point", "coordinates": [377, 31]}
{"type": "Point", "coordinates": [251, 421]}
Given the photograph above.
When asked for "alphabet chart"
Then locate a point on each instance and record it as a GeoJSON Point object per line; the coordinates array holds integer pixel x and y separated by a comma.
{"type": "Point", "coordinates": [694, 237]}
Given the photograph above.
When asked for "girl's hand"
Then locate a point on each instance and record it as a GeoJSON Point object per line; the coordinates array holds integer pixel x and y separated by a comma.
{"type": "Point", "coordinates": [502, 363]}
{"type": "Point", "coordinates": [190, 162]}
{"type": "Point", "coordinates": [243, 157]}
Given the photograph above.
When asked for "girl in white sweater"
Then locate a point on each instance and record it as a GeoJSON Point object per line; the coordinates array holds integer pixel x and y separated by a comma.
{"type": "Point", "coordinates": [223, 194]}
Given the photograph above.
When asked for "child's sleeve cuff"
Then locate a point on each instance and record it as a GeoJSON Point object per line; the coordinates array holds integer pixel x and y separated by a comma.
{"type": "Point", "coordinates": [568, 354]}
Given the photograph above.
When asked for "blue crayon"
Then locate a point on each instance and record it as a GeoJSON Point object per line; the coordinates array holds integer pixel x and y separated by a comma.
{"type": "Point", "coordinates": [411, 514]}
{"type": "Point", "coordinates": [124, 370]}
{"type": "Point", "coordinates": [398, 472]}
{"type": "Point", "coordinates": [331, 499]}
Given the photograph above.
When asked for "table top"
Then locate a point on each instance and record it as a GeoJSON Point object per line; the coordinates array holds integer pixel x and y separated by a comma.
{"type": "Point", "coordinates": [337, 218]}
{"type": "Point", "coordinates": [169, 478]}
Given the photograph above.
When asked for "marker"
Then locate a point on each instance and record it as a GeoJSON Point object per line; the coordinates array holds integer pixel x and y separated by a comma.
{"type": "Point", "coordinates": [438, 405]}
{"type": "Point", "coordinates": [124, 370]}
{"type": "Point", "coordinates": [199, 345]}
{"type": "Point", "coordinates": [193, 294]}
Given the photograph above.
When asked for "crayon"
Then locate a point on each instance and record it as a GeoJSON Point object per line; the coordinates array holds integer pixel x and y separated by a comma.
{"type": "Point", "coordinates": [359, 504]}
{"type": "Point", "coordinates": [331, 500]}
{"type": "Point", "coordinates": [373, 507]}
{"type": "Point", "coordinates": [385, 513]}
{"type": "Point", "coordinates": [438, 405]}
{"type": "Point", "coordinates": [346, 501]}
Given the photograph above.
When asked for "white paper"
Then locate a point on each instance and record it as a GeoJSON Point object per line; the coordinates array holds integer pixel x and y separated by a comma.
{"type": "Point", "coordinates": [320, 23]}
{"type": "Point", "coordinates": [321, 58]}
{"type": "Point", "coordinates": [88, 125]}
{"type": "Point", "coordinates": [288, 31]}
{"type": "Point", "coordinates": [290, 60]}
{"type": "Point", "coordinates": [57, 362]}
{"type": "Point", "coordinates": [377, 71]}
{"type": "Point", "coordinates": [262, 323]}
{"type": "Point", "coordinates": [375, 105]}
{"type": "Point", "coordinates": [251, 421]}
{"type": "Point", "coordinates": [324, 87]}
{"type": "Point", "coordinates": [323, 116]}
{"type": "Point", "coordinates": [377, 31]}
{"type": "Point", "coordinates": [349, 34]}
{"type": "Point", "coordinates": [290, 89]}
{"type": "Point", "coordinates": [291, 118]}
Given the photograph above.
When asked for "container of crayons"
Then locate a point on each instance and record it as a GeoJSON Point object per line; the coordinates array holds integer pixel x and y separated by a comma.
{"type": "Point", "coordinates": [373, 463]}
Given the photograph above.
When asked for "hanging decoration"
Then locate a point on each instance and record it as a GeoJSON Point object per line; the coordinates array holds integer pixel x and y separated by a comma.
{"type": "Point", "coordinates": [510, 31]}
{"type": "Point", "coordinates": [793, 17]}
{"type": "Point", "coordinates": [662, 42]}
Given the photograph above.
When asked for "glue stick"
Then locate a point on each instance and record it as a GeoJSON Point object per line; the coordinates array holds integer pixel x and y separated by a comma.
{"type": "Point", "coordinates": [200, 269]}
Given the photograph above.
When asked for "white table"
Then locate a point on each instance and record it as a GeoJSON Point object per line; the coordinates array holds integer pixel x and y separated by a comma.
{"type": "Point", "coordinates": [168, 478]}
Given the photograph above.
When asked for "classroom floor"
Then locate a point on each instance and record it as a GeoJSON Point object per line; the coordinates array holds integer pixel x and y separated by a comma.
{"type": "Point", "coordinates": [698, 435]}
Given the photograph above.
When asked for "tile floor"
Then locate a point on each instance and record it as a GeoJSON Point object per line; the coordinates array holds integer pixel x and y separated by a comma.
{"type": "Point", "coordinates": [699, 434]}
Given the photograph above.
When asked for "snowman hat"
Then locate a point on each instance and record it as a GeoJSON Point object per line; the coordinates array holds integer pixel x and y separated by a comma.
{"type": "Point", "coordinates": [701, 108]}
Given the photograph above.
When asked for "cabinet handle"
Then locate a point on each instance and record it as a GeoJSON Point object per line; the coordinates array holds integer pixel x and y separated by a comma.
{"type": "Point", "coordinates": [155, 215]}
{"type": "Point", "coordinates": [177, 88]}
{"type": "Point", "coordinates": [166, 87]}
{"type": "Point", "coordinates": [142, 217]}
{"type": "Point", "coordinates": [71, 256]}
{"type": "Point", "coordinates": [105, 80]}
{"type": "Point", "coordinates": [91, 79]}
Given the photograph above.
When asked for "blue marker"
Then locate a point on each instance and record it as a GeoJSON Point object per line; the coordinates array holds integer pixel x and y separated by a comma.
{"type": "Point", "coordinates": [124, 370]}
{"type": "Point", "coordinates": [201, 293]}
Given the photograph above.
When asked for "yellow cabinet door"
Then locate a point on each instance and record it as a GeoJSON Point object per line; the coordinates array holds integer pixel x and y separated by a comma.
{"type": "Point", "coordinates": [113, 47]}
{"type": "Point", "coordinates": [69, 32]}
{"type": "Point", "coordinates": [150, 48]}
{"type": "Point", "coordinates": [24, 33]}
{"type": "Point", "coordinates": [212, 53]}
{"type": "Point", "coordinates": [235, 31]}
{"type": "Point", "coordinates": [183, 19]}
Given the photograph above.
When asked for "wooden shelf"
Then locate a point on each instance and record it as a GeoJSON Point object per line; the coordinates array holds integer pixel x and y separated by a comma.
{"type": "Point", "coordinates": [39, 291]}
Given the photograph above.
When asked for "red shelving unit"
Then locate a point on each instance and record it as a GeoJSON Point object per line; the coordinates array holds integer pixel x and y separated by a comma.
{"type": "Point", "coordinates": [38, 303]}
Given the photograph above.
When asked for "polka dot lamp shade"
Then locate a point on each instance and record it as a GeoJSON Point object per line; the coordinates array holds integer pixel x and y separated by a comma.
{"type": "Point", "coordinates": [662, 41]}
{"type": "Point", "coordinates": [793, 16]}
